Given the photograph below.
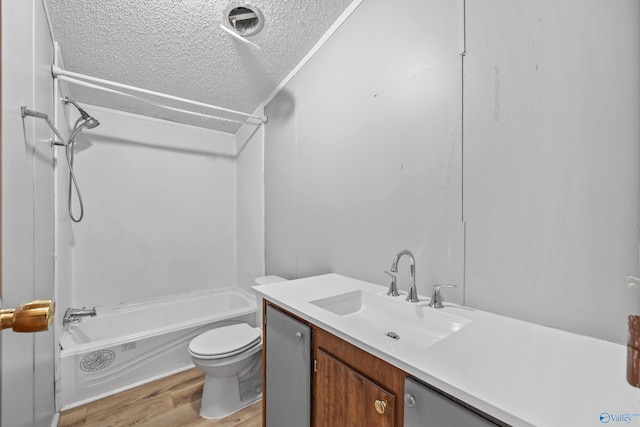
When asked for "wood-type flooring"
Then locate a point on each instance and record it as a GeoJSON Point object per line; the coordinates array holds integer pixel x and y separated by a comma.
{"type": "Point", "coordinates": [173, 401]}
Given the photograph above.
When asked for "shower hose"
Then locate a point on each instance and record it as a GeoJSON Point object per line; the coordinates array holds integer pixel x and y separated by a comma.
{"type": "Point", "coordinates": [72, 176]}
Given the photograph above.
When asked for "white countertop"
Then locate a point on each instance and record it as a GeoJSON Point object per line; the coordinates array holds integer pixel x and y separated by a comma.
{"type": "Point", "coordinates": [521, 373]}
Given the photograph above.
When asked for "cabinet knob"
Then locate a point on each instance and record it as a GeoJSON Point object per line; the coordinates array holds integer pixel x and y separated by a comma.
{"type": "Point", "coordinates": [380, 405]}
{"type": "Point", "coordinates": [409, 400]}
{"type": "Point", "coordinates": [298, 336]}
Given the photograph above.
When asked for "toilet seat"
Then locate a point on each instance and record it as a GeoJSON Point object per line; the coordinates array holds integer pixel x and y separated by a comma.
{"type": "Point", "coordinates": [226, 341]}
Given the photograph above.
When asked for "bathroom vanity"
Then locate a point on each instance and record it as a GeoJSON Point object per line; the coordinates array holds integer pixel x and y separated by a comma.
{"type": "Point", "coordinates": [365, 359]}
{"type": "Point", "coordinates": [324, 381]}
{"type": "Point", "coordinates": [348, 386]}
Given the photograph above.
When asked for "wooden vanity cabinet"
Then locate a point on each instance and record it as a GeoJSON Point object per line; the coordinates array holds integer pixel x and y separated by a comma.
{"type": "Point", "coordinates": [347, 398]}
{"type": "Point", "coordinates": [348, 386]}
{"type": "Point", "coordinates": [352, 387]}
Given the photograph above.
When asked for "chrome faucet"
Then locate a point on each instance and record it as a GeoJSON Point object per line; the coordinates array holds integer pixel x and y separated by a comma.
{"type": "Point", "coordinates": [412, 295]}
{"type": "Point", "coordinates": [436, 299]}
{"type": "Point", "coordinates": [393, 287]}
{"type": "Point", "coordinates": [75, 315]}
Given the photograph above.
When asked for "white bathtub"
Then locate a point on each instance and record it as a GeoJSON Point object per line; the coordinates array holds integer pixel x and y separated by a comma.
{"type": "Point", "coordinates": [128, 345]}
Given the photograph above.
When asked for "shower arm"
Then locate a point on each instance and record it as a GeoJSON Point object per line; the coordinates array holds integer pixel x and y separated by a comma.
{"type": "Point", "coordinates": [26, 112]}
{"type": "Point", "coordinates": [89, 122]}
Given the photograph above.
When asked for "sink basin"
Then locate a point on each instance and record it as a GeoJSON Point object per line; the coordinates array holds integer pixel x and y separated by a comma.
{"type": "Point", "coordinates": [342, 304]}
{"type": "Point", "coordinates": [391, 322]}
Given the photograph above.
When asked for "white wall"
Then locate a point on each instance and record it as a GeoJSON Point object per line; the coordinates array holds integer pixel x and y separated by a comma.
{"type": "Point", "coordinates": [250, 250]}
{"type": "Point", "coordinates": [551, 161]}
{"type": "Point", "coordinates": [363, 150]}
{"type": "Point", "coordinates": [363, 156]}
{"type": "Point", "coordinates": [63, 274]}
{"type": "Point", "coordinates": [27, 208]}
{"type": "Point", "coordinates": [159, 210]}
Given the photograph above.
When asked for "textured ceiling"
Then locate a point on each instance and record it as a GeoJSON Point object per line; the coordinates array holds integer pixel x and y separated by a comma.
{"type": "Point", "coordinates": [177, 47]}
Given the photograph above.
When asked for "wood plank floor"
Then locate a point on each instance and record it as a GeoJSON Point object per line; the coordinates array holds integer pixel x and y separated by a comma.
{"type": "Point", "coordinates": [172, 402]}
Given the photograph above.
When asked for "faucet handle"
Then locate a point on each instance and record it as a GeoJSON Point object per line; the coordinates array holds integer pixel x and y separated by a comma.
{"type": "Point", "coordinates": [393, 276]}
{"type": "Point", "coordinates": [436, 299]}
{"type": "Point", "coordinates": [393, 288]}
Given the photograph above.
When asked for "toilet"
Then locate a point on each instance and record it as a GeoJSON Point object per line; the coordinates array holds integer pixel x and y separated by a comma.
{"type": "Point", "coordinates": [231, 358]}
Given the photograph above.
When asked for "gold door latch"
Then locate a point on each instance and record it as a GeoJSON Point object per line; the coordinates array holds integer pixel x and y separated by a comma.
{"type": "Point", "coordinates": [34, 316]}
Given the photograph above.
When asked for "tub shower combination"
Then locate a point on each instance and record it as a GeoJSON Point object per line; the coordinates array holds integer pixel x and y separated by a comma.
{"type": "Point", "coordinates": [128, 345]}
{"type": "Point", "coordinates": [104, 350]}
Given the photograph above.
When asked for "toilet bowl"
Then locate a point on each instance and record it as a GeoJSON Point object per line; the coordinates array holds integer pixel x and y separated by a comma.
{"type": "Point", "coordinates": [231, 358]}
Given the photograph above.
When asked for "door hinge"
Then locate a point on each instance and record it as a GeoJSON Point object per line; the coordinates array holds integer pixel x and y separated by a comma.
{"type": "Point", "coordinates": [315, 365]}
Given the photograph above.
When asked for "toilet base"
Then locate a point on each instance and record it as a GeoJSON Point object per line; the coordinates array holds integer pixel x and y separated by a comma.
{"type": "Point", "coordinates": [221, 397]}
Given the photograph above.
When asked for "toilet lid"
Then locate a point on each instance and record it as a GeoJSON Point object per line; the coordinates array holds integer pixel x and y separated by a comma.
{"type": "Point", "coordinates": [227, 340]}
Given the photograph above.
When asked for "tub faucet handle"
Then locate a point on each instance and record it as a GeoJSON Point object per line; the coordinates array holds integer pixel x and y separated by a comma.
{"type": "Point", "coordinates": [75, 315]}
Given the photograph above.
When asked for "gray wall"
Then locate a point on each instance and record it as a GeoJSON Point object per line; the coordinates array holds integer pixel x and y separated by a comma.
{"type": "Point", "coordinates": [363, 156]}
{"type": "Point", "coordinates": [551, 155]}
{"type": "Point", "coordinates": [27, 209]}
{"type": "Point", "coordinates": [363, 150]}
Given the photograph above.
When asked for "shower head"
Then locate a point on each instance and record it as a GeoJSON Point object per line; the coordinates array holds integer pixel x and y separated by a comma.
{"type": "Point", "coordinates": [90, 122]}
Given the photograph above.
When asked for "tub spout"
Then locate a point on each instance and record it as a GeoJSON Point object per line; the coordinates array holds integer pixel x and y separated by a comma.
{"type": "Point", "coordinates": [75, 315]}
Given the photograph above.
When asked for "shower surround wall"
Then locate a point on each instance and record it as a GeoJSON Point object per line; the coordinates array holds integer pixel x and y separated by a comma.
{"type": "Point", "coordinates": [160, 211]}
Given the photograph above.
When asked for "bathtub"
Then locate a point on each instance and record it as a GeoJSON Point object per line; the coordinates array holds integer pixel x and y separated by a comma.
{"type": "Point", "coordinates": [128, 345]}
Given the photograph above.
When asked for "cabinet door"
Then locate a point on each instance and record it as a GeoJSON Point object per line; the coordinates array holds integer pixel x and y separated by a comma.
{"type": "Point", "coordinates": [288, 371]}
{"type": "Point", "coordinates": [345, 398]}
{"type": "Point", "coordinates": [425, 407]}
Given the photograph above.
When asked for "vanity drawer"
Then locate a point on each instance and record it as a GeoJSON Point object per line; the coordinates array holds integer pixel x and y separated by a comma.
{"type": "Point", "coordinates": [426, 407]}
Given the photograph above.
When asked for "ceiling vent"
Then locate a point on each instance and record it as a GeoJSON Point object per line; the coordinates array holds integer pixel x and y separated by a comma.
{"type": "Point", "coordinates": [246, 20]}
